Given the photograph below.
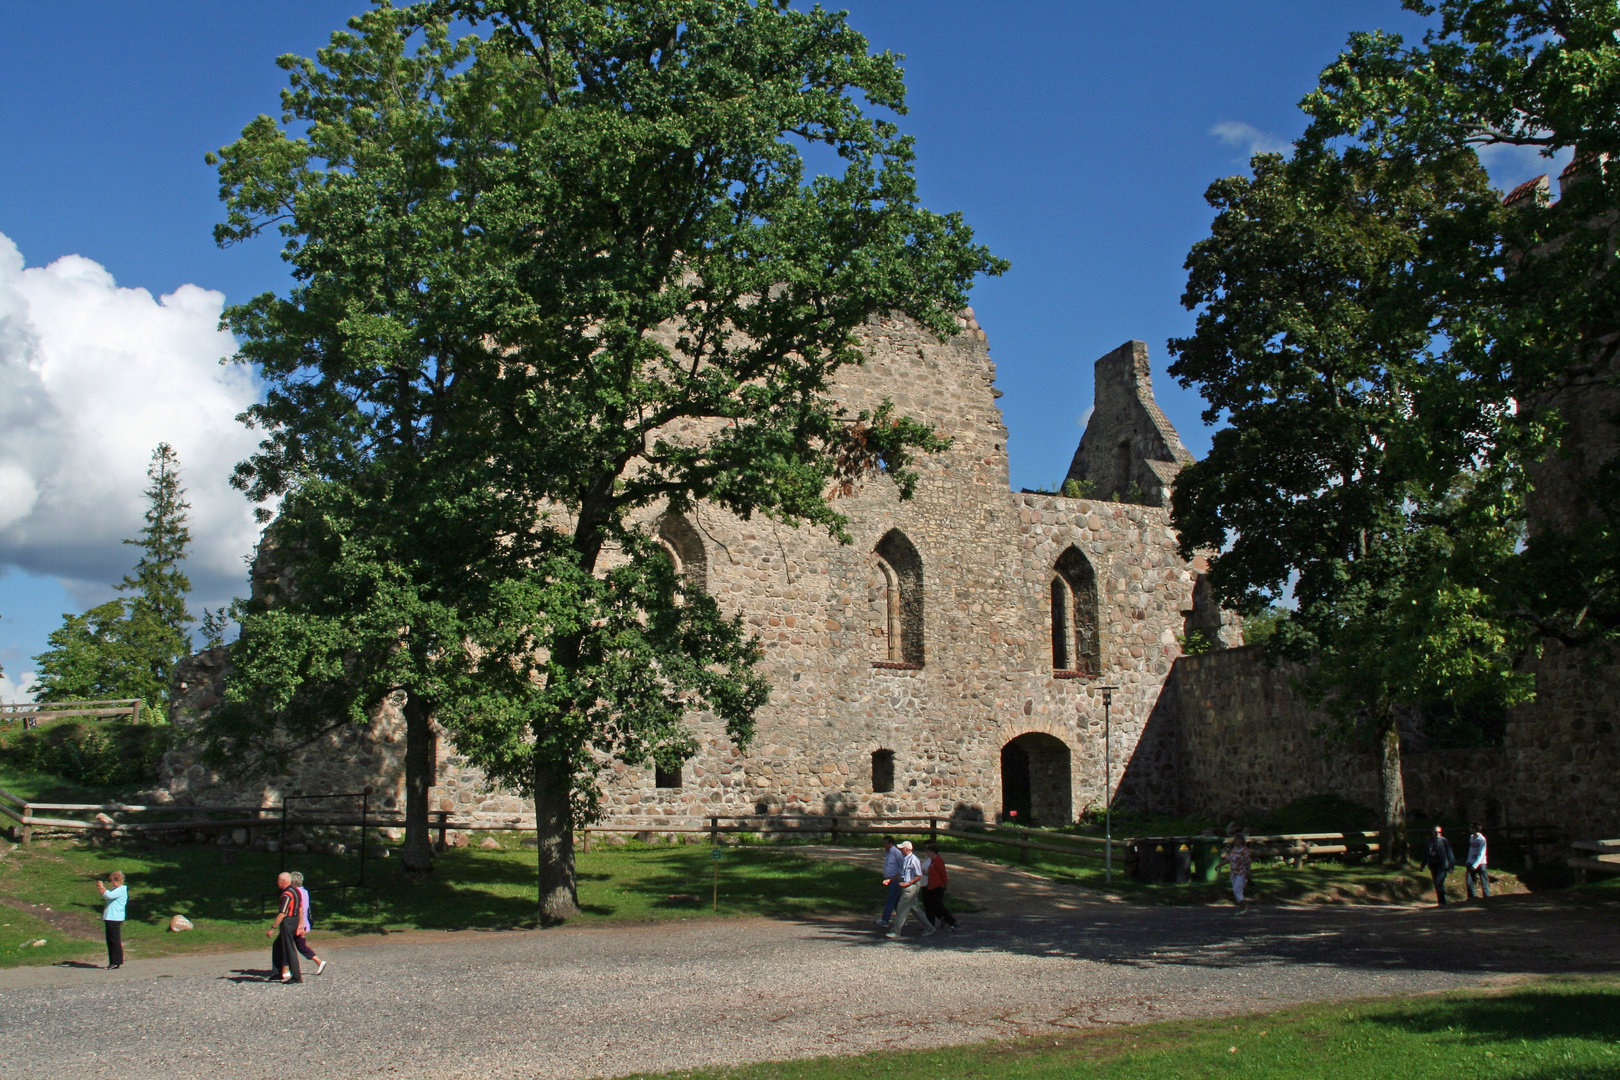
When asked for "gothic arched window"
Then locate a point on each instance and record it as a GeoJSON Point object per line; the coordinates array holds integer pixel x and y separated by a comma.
{"type": "Point", "coordinates": [903, 594]}
{"type": "Point", "coordinates": [1075, 639]}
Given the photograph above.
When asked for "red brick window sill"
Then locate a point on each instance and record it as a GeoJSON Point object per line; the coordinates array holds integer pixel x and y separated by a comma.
{"type": "Point", "coordinates": [895, 665]}
{"type": "Point", "coordinates": [1072, 675]}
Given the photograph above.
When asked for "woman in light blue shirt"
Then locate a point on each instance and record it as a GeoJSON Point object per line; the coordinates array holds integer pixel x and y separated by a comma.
{"type": "Point", "coordinates": [113, 917]}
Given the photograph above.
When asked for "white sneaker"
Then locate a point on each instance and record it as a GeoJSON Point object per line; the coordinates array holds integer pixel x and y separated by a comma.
{"type": "Point", "coordinates": [881, 922]}
{"type": "Point", "coordinates": [891, 933]}
{"type": "Point", "coordinates": [320, 966]}
{"type": "Point", "coordinates": [931, 930]}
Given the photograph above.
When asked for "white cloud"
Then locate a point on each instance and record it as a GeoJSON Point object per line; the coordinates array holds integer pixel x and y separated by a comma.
{"type": "Point", "coordinates": [1249, 138]}
{"type": "Point", "coordinates": [92, 378]}
{"type": "Point", "coordinates": [19, 689]}
{"type": "Point", "coordinates": [1085, 417]}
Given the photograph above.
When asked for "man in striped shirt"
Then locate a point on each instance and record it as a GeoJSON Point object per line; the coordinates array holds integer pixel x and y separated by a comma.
{"type": "Point", "coordinates": [284, 951]}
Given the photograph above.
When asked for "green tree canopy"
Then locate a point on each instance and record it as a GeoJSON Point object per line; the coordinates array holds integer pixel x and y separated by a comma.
{"type": "Point", "coordinates": [549, 281]}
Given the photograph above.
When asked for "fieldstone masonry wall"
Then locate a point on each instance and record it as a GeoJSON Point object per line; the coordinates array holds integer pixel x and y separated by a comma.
{"type": "Point", "coordinates": [980, 676]}
{"type": "Point", "coordinates": [970, 709]}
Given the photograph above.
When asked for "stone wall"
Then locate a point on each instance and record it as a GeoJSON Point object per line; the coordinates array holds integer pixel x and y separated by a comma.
{"type": "Point", "coordinates": [976, 585]}
{"type": "Point", "coordinates": [1128, 442]}
{"type": "Point", "coordinates": [1244, 741]}
{"type": "Point", "coordinates": [1563, 748]}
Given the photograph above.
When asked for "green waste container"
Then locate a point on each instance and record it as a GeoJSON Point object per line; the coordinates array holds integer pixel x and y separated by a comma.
{"type": "Point", "coordinates": [1206, 860]}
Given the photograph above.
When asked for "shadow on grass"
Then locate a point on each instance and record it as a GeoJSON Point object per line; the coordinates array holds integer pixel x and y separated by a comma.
{"type": "Point", "coordinates": [1577, 1009]}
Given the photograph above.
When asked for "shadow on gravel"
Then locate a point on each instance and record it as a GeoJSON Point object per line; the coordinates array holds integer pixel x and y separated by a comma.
{"type": "Point", "coordinates": [1527, 938]}
{"type": "Point", "coordinates": [247, 975]}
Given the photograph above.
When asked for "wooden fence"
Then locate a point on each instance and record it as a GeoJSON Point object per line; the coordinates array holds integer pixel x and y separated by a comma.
{"type": "Point", "coordinates": [32, 713]}
{"type": "Point", "coordinates": [1158, 858]}
{"type": "Point", "coordinates": [1602, 856]}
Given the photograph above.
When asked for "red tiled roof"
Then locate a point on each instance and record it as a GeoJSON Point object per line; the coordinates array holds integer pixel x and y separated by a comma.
{"type": "Point", "coordinates": [1524, 190]}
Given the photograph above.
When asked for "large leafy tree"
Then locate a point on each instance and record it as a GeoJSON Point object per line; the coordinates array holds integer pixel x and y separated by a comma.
{"type": "Point", "coordinates": [1387, 342]}
{"type": "Point", "coordinates": [128, 648]}
{"type": "Point", "coordinates": [1356, 450]}
{"type": "Point", "coordinates": [549, 281]}
{"type": "Point", "coordinates": [1545, 328]}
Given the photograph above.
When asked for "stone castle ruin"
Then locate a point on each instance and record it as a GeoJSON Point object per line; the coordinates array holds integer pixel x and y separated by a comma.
{"type": "Point", "coordinates": [950, 661]}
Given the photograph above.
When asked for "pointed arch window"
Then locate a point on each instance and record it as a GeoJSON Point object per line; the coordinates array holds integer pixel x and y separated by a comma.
{"type": "Point", "coordinates": [901, 567]}
{"type": "Point", "coordinates": [1076, 646]}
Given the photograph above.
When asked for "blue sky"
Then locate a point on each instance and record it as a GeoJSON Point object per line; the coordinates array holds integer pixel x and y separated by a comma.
{"type": "Point", "coordinates": [1077, 138]}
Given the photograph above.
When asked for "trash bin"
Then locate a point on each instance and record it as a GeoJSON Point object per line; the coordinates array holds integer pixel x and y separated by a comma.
{"type": "Point", "coordinates": [1183, 863]}
{"type": "Point", "coordinates": [1206, 856]}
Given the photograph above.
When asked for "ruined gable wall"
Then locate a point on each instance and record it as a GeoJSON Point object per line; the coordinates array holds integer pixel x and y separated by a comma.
{"type": "Point", "coordinates": [1128, 439]}
{"type": "Point", "coordinates": [987, 558]}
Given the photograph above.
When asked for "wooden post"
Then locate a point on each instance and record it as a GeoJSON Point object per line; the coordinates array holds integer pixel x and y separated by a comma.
{"type": "Point", "coordinates": [135, 712]}
{"type": "Point", "coordinates": [585, 832]}
{"type": "Point", "coordinates": [714, 831]}
{"type": "Point", "coordinates": [832, 833]}
{"type": "Point", "coordinates": [933, 828]}
{"type": "Point", "coordinates": [444, 816]}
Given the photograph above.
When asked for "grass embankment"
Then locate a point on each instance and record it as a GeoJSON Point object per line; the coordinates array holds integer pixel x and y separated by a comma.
{"type": "Point", "coordinates": [470, 888]}
{"type": "Point", "coordinates": [1556, 1029]}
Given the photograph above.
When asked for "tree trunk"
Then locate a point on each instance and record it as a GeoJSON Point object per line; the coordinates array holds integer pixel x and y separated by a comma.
{"type": "Point", "coordinates": [554, 828]}
{"type": "Point", "coordinates": [418, 853]}
{"type": "Point", "coordinates": [1391, 791]}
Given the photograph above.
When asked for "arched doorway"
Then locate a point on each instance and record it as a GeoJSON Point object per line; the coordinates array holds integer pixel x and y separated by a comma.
{"type": "Point", "coordinates": [1035, 780]}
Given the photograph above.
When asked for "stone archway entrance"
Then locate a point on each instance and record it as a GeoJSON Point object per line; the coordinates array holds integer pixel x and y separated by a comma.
{"type": "Point", "coordinates": [1035, 780]}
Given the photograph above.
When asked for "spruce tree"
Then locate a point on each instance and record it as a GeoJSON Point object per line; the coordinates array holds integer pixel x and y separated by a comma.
{"type": "Point", "coordinates": [128, 648]}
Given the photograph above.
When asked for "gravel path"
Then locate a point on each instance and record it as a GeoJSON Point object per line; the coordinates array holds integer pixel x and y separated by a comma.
{"type": "Point", "coordinates": [609, 1001]}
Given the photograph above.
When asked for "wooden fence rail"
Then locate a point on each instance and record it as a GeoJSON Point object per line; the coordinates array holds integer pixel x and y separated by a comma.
{"type": "Point", "coordinates": [32, 713]}
{"type": "Point", "coordinates": [1165, 853]}
{"type": "Point", "coordinates": [1603, 856]}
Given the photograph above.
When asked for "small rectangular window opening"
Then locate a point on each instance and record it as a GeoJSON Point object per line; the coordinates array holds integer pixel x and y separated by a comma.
{"type": "Point", "coordinates": [666, 778]}
{"type": "Point", "coordinates": [882, 770]}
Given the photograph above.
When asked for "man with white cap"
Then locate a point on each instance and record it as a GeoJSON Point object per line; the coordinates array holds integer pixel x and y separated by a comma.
{"type": "Point", "coordinates": [910, 878]}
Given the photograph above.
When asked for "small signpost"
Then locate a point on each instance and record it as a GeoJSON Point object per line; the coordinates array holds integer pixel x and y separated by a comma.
{"type": "Point", "coordinates": [714, 854]}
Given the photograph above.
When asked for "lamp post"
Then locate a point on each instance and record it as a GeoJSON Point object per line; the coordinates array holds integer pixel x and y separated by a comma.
{"type": "Point", "coordinates": [1108, 784]}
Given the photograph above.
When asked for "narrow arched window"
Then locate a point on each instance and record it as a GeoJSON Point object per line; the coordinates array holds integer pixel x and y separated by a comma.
{"type": "Point", "coordinates": [882, 770]}
{"type": "Point", "coordinates": [685, 548]}
{"type": "Point", "coordinates": [1076, 644]}
{"type": "Point", "coordinates": [901, 567]}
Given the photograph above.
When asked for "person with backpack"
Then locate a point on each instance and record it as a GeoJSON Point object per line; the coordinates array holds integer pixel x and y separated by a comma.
{"type": "Point", "coordinates": [1438, 857]}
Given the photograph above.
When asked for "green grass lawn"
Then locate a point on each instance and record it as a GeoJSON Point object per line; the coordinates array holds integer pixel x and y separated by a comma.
{"type": "Point", "coordinates": [469, 888]}
{"type": "Point", "coordinates": [1555, 1029]}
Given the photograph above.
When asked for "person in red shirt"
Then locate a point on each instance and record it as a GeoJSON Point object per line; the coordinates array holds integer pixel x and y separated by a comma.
{"type": "Point", "coordinates": [933, 894]}
{"type": "Point", "coordinates": [284, 951]}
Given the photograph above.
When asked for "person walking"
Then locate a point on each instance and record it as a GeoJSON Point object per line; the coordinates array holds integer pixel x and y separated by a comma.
{"type": "Point", "coordinates": [1241, 860]}
{"type": "Point", "coordinates": [1475, 868]}
{"type": "Point", "coordinates": [1438, 857]}
{"type": "Point", "coordinates": [301, 935]}
{"type": "Point", "coordinates": [910, 878]}
{"type": "Point", "coordinates": [284, 950]}
{"type": "Point", "coordinates": [112, 916]}
{"type": "Point", "coordinates": [933, 894]}
{"type": "Point", "coordinates": [892, 856]}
